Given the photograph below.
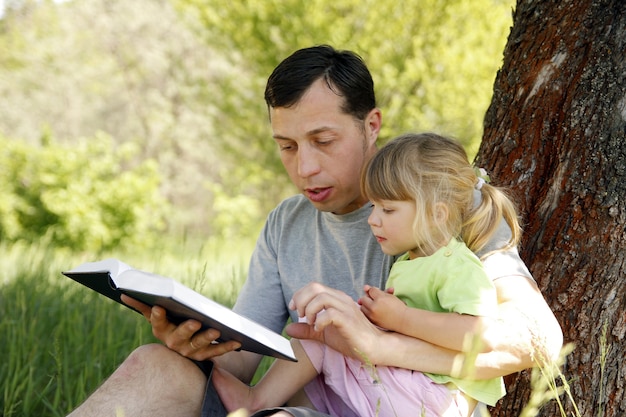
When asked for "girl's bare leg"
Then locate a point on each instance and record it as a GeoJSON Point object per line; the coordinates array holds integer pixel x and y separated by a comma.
{"type": "Point", "coordinates": [280, 383]}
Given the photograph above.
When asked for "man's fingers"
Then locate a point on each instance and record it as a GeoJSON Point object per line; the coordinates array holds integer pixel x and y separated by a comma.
{"type": "Point", "coordinates": [187, 340]}
{"type": "Point", "coordinates": [330, 316]}
{"type": "Point", "coordinates": [206, 352]}
{"type": "Point", "coordinates": [303, 297]}
{"type": "Point", "coordinates": [303, 331]}
{"type": "Point", "coordinates": [338, 321]}
{"type": "Point", "coordinates": [184, 338]}
{"type": "Point", "coordinates": [205, 338]}
{"type": "Point", "coordinates": [319, 300]}
{"type": "Point", "coordinates": [144, 309]}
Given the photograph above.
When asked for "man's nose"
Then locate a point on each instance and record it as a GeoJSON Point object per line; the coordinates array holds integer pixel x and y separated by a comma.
{"type": "Point", "coordinates": [308, 162]}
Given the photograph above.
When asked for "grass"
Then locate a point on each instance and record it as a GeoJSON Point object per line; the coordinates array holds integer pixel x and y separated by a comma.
{"type": "Point", "coordinates": [549, 384]}
{"type": "Point", "coordinates": [60, 340]}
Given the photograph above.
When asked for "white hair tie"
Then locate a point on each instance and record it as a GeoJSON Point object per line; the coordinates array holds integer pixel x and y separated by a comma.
{"type": "Point", "coordinates": [479, 184]}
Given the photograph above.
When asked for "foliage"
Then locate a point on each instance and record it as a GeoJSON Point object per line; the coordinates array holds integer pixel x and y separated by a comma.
{"type": "Point", "coordinates": [134, 70]}
{"type": "Point", "coordinates": [433, 65]}
{"type": "Point", "coordinates": [433, 62]}
{"type": "Point", "coordinates": [184, 80]}
{"type": "Point", "coordinates": [84, 197]}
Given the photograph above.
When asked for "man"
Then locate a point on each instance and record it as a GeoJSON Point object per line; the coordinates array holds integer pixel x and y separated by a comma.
{"type": "Point", "coordinates": [314, 255]}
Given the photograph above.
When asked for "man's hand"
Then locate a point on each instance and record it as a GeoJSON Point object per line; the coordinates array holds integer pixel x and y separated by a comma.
{"type": "Point", "coordinates": [333, 318]}
{"type": "Point", "coordinates": [186, 338]}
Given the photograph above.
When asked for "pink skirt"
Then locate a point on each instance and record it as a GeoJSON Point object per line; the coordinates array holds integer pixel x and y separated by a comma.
{"type": "Point", "coordinates": [347, 387]}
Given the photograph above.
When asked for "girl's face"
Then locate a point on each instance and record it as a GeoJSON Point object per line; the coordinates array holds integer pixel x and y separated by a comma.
{"type": "Point", "coordinates": [392, 224]}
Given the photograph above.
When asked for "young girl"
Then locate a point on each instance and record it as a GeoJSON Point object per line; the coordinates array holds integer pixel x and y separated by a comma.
{"type": "Point", "coordinates": [421, 187]}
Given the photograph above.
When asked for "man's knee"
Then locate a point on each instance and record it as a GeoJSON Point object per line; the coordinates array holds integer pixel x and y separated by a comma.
{"type": "Point", "coordinates": [147, 357]}
{"type": "Point", "coordinates": [158, 361]}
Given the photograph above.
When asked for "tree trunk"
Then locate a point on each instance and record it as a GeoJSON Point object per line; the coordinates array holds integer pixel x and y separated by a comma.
{"type": "Point", "coordinates": [555, 134]}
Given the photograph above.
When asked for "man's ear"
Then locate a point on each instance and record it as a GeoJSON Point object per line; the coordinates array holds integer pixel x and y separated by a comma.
{"type": "Point", "coordinates": [372, 124]}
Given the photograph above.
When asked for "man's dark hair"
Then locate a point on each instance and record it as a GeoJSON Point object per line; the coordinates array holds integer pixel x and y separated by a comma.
{"type": "Point", "coordinates": [345, 74]}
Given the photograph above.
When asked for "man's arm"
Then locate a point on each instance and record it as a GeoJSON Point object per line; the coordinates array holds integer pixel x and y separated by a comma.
{"type": "Point", "coordinates": [335, 319]}
{"type": "Point", "coordinates": [525, 327]}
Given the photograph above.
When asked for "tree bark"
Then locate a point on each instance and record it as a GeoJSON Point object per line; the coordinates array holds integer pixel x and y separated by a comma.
{"type": "Point", "coordinates": [555, 134]}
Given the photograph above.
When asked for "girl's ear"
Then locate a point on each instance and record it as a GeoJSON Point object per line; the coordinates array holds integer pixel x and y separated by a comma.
{"type": "Point", "coordinates": [441, 212]}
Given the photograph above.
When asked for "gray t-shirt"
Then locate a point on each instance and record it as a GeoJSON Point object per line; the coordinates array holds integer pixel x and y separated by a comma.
{"type": "Point", "coordinates": [300, 244]}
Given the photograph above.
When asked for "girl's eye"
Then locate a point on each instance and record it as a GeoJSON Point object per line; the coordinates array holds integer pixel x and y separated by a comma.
{"type": "Point", "coordinates": [387, 211]}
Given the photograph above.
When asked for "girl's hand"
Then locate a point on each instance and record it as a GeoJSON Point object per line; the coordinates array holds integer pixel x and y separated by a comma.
{"type": "Point", "coordinates": [382, 307]}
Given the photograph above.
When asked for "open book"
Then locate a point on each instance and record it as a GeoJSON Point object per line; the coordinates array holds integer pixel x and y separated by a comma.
{"type": "Point", "coordinates": [113, 278]}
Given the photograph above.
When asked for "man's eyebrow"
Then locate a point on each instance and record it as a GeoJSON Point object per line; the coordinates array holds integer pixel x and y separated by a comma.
{"type": "Point", "coordinates": [319, 130]}
{"type": "Point", "coordinates": [309, 133]}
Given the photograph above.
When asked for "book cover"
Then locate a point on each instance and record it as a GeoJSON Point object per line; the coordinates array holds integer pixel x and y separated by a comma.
{"type": "Point", "coordinates": [113, 278]}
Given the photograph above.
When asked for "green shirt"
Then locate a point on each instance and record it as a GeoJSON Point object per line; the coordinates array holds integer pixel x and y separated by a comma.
{"type": "Point", "coordinates": [450, 280]}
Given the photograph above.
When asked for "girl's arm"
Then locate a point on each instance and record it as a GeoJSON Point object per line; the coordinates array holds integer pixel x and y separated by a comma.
{"type": "Point", "coordinates": [525, 324]}
{"type": "Point", "coordinates": [449, 330]}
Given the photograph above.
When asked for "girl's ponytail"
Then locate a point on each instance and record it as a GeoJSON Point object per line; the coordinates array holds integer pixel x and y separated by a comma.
{"type": "Point", "coordinates": [482, 222]}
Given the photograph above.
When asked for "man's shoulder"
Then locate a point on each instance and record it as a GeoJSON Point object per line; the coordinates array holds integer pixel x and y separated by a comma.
{"type": "Point", "coordinates": [506, 263]}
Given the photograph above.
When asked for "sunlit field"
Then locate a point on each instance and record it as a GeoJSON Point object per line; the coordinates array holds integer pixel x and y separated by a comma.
{"type": "Point", "coordinates": [60, 340]}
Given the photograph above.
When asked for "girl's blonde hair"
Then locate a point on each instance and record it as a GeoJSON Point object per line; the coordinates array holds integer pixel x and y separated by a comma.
{"type": "Point", "coordinates": [431, 170]}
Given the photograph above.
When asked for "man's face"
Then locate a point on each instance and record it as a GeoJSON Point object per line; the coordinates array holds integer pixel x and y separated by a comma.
{"type": "Point", "coordinates": [324, 149]}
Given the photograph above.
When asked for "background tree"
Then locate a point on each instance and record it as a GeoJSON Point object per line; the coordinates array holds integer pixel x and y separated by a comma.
{"type": "Point", "coordinates": [184, 79]}
{"type": "Point", "coordinates": [134, 70]}
{"type": "Point", "coordinates": [432, 62]}
{"type": "Point", "coordinates": [47, 195]}
{"type": "Point", "coordinates": [556, 133]}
